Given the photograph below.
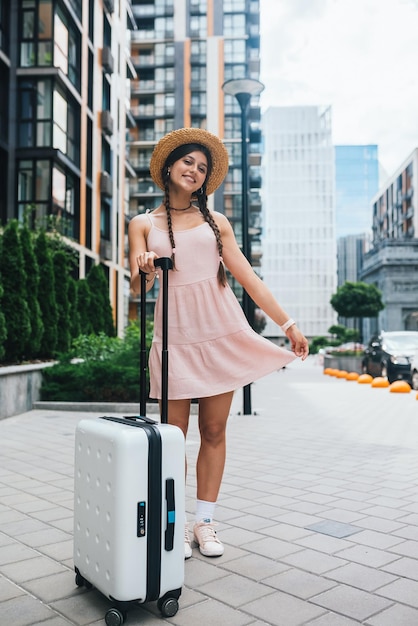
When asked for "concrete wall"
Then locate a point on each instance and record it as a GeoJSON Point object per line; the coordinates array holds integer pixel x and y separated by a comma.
{"type": "Point", "coordinates": [19, 388]}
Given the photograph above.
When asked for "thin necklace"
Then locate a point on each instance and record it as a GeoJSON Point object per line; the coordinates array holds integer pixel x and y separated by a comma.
{"type": "Point", "coordinates": [185, 209]}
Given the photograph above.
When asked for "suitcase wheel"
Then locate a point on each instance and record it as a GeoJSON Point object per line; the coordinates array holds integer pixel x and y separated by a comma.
{"type": "Point", "coordinates": [114, 617]}
{"type": "Point", "coordinates": [82, 582]}
{"type": "Point", "coordinates": [168, 606]}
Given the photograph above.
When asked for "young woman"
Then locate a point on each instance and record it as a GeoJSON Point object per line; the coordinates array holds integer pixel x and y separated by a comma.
{"type": "Point", "coordinates": [212, 349]}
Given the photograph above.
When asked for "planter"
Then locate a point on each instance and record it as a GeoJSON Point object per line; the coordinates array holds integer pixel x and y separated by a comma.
{"type": "Point", "coordinates": [348, 363]}
{"type": "Point", "coordinates": [19, 388]}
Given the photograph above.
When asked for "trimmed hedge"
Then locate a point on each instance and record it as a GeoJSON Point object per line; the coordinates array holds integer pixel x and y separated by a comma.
{"type": "Point", "coordinates": [91, 381]}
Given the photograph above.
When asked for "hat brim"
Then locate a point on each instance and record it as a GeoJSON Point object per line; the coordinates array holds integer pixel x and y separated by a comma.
{"type": "Point", "coordinates": [176, 138]}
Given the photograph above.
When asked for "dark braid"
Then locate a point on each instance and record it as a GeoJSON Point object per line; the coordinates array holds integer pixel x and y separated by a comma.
{"type": "Point", "coordinates": [202, 200]}
{"type": "Point", "coordinates": [169, 223]}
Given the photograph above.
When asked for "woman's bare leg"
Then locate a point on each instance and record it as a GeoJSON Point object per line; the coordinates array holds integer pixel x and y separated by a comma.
{"type": "Point", "coordinates": [213, 416]}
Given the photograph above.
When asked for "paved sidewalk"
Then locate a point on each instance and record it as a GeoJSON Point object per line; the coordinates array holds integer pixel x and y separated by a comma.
{"type": "Point", "coordinates": [318, 512]}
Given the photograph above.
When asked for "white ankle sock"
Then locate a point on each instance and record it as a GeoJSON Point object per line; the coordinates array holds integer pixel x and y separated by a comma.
{"type": "Point", "coordinates": [205, 510]}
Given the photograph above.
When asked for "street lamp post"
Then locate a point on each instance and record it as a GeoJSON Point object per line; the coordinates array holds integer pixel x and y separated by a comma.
{"type": "Point", "coordinates": [243, 89]}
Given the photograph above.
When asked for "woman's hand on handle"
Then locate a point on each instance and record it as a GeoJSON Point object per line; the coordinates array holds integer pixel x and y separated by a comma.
{"type": "Point", "coordinates": [298, 342]}
{"type": "Point", "coordinates": [145, 261]}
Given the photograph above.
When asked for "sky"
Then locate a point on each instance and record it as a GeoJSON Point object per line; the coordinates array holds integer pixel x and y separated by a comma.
{"type": "Point", "coordinates": [359, 56]}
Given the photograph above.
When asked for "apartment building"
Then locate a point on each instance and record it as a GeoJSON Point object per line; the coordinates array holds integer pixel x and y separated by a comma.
{"type": "Point", "coordinates": [183, 52]}
{"type": "Point", "coordinates": [299, 261]}
{"type": "Point", "coordinates": [64, 100]}
{"type": "Point", "coordinates": [392, 262]}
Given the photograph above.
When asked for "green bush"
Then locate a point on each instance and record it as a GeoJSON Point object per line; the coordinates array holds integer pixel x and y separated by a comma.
{"type": "Point", "coordinates": [98, 368]}
{"type": "Point", "coordinates": [90, 381]}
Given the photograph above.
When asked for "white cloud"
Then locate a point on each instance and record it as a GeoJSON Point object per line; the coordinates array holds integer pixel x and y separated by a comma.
{"type": "Point", "coordinates": [360, 56]}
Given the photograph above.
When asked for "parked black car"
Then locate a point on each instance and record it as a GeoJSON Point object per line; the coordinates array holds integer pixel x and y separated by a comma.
{"type": "Point", "coordinates": [390, 355]}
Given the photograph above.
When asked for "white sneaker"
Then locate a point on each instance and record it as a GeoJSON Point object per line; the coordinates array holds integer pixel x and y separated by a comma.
{"type": "Point", "coordinates": [187, 543]}
{"type": "Point", "coordinates": [205, 537]}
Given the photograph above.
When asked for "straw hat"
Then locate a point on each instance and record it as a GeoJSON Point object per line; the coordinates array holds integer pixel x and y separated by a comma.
{"type": "Point", "coordinates": [177, 138]}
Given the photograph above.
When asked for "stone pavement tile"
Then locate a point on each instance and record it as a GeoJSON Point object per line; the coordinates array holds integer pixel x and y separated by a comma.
{"type": "Point", "coordinates": [23, 526]}
{"type": "Point", "coordinates": [323, 543]}
{"type": "Point", "coordinates": [401, 590]}
{"type": "Point", "coordinates": [387, 513]}
{"type": "Point", "coordinates": [8, 590]}
{"type": "Point", "coordinates": [307, 508]}
{"type": "Point", "coordinates": [343, 516]}
{"type": "Point", "coordinates": [299, 519]}
{"type": "Point", "coordinates": [250, 522]}
{"type": "Point", "coordinates": [349, 505]}
{"type": "Point", "coordinates": [367, 556]}
{"type": "Point", "coordinates": [396, 615]}
{"type": "Point", "coordinates": [44, 537]}
{"type": "Point", "coordinates": [30, 569]}
{"type": "Point", "coordinates": [264, 510]}
{"type": "Point", "coordinates": [313, 561]}
{"type": "Point", "coordinates": [271, 548]}
{"type": "Point", "coordinates": [64, 524]}
{"type": "Point", "coordinates": [54, 587]}
{"type": "Point", "coordinates": [298, 583]}
{"type": "Point", "coordinates": [236, 536]}
{"type": "Point", "coordinates": [286, 532]}
{"type": "Point", "coordinates": [55, 621]}
{"type": "Point", "coordinates": [11, 515]}
{"type": "Point", "coordinates": [408, 568]}
{"type": "Point", "coordinates": [84, 608]}
{"type": "Point", "coordinates": [5, 540]}
{"type": "Point", "coordinates": [360, 576]}
{"type": "Point", "coordinates": [198, 573]}
{"type": "Point", "coordinates": [409, 519]}
{"type": "Point", "coordinates": [209, 613]}
{"type": "Point", "coordinates": [234, 590]}
{"type": "Point", "coordinates": [24, 611]}
{"type": "Point", "coordinates": [280, 609]}
{"type": "Point", "coordinates": [332, 619]}
{"type": "Point", "coordinates": [378, 540]}
{"type": "Point", "coordinates": [14, 552]}
{"type": "Point", "coordinates": [58, 551]}
{"type": "Point", "coordinates": [353, 603]}
{"type": "Point", "coordinates": [255, 567]}
{"type": "Point", "coordinates": [33, 506]}
{"type": "Point", "coordinates": [52, 514]}
{"type": "Point", "coordinates": [381, 525]}
{"type": "Point", "coordinates": [406, 548]}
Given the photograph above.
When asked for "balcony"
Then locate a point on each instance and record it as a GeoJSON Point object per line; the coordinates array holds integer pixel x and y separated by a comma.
{"type": "Point", "coordinates": [107, 60]}
{"type": "Point", "coordinates": [106, 184]}
{"type": "Point", "coordinates": [107, 123]}
{"type": "Point", "coordinates": [255, 202]}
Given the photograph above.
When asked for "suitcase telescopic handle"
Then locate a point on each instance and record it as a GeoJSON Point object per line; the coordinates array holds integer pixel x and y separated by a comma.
{"type": "Point", "coordinates": [166, 264]}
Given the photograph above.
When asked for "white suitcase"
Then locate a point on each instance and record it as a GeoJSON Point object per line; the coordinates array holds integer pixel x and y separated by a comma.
{"type": "Point", "coordinates": [129, 499]}
{"type": "Point", "coordinates": [129, 512]}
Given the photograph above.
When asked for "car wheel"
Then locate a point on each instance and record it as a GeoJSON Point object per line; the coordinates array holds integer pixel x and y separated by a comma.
{"type": "Point", "coordinates": [415, 380]}
{"type": "Point", "coordinates": [364, 368]}
{"type": "Point", "coordinates": [384, 370]}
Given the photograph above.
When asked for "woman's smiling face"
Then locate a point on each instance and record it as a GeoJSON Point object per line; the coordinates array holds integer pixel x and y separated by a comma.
{"type": "Point", "coordinates": [190, 171]}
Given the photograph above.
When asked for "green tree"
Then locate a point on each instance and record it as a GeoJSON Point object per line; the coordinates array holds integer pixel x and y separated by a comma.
{"type": "Point", "coordinates": [32, 287]}
{"type": "Point", "coordinates": [14, 301]}
{"type": "Point", "coordinates": [61, 277]}
{"type": "Point", "coordinates": [46, 296]}
{"type": "Point", "coordinates": [73, 303]}
{"type": "Point", "coordinates": [83, 307]}
{"type": "Point", "coordinates": [357, 300]}
{"type": "Point", "coordinates": [101, 310]}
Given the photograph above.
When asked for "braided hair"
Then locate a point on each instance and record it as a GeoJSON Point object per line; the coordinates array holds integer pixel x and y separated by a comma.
{"type": "Point", "coordinates": [202, 199]}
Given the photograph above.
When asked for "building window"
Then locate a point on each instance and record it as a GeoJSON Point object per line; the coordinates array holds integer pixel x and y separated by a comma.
{"type": "Point", "coordinates": [234, 25]}
{"type": "Point", "coordinates": [34, 190]}
{"type": "Point", "coordinates": [36, 33]}
{"type": "Point", "coordinates": [4, 25]}
{"type": "Point", "coordinates": [48, 118]}
{"type": "Point", "coordinates": [47, 39]}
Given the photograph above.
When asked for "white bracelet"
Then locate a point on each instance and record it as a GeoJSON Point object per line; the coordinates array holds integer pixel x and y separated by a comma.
{"type": "Point", "coordinates": [287, 324]}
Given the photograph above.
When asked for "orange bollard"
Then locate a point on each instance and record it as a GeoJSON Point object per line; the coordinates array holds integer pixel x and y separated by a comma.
{"type": "Point", "coordinates": [380, 381]}
{"type": "Point", "coordinates": [341, 374]}
{"type": "Point", "coordinates": [365, 379]}
{"type": "Point", "coordinates": [400, 386]}
{"type": "Point", "coordinates": [352, 376]}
